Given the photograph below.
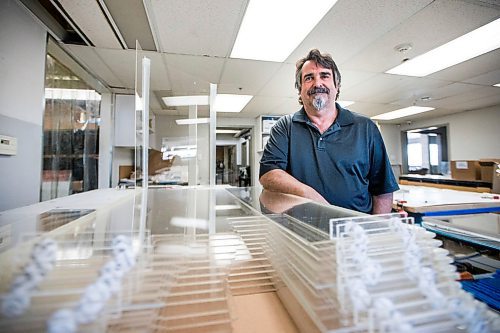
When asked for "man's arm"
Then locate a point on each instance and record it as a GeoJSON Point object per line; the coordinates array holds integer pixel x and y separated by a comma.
{"type": "Point", "coordinates": [382, 204]}
{"type": "Point", "coordinates": [278, 180]}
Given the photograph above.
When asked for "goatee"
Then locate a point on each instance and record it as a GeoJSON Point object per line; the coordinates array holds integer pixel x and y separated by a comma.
{"type": "Point", "coordinates": [319, 102]}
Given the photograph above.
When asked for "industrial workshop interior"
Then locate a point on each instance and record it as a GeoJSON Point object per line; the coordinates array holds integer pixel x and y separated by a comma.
{"type": "Point", "coordinates": [135, 134]}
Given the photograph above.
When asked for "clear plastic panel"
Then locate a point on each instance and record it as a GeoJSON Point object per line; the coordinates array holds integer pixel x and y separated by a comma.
{"type": "Point", "coordinates": [92, 277]}
{"type": "Point", "coordinates": [70, 132]}
{"type": "Point", "coordinates": [140, 176]}
{"type": "Point", "coordinates": [206, 245]}
{"type": "Point", "coordinates": [141, 160]}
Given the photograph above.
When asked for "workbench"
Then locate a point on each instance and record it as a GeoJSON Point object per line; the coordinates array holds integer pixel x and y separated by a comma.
{"type": "Point", "coordinates": [421, 201]}
{"type": "Point", "coordinates": [446, 182]}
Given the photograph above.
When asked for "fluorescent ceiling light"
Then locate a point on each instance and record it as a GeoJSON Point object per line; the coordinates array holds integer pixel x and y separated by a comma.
{"type": "Point", "coordinates": [411, 110]}
{"type": "Point", "coordinates": [272, 29]}
{"type": "Point", "coordinates": [185, 100]}
{"type": "Point", "coordinates": [192, 121]}
{"type": "Point", "coordinates": [496, 85]}
{"type": "Point", "coordinates": [468, 46]}
{"type": "Point", "coordinates": [226, 131]}
{"type": "Point", "coordinates": [223, 102]}
{"type": "Point", "coordinates": [345, 103]}
{"type": "Point", "coordinates": [231, 103]}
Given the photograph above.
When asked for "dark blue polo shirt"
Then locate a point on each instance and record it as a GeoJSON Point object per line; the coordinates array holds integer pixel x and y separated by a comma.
{"type": "Point", "coordinates": [347, 164]}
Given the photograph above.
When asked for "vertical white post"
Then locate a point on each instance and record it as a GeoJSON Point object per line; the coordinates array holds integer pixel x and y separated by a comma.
{"type": "Point", "coordinates": [213, 125]}
{"type": "Point", "coordinates": [211, 134]}
{"type": "Point", "coordinates": [146, 65]}
{"type": "Point", "coordinates": [193, 140]}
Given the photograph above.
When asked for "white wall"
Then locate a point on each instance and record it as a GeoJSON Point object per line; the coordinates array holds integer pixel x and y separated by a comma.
{"type": "Point", "coordinates": [124, 122]}
{"type": "Point", "coordinates": [392, 140]}
{"type": "Point", "coordinates": [22, 75]}
{"type": "Point", "coordinates": [472, 135]}
{"type": "Point", "coordinates": [22, 64]}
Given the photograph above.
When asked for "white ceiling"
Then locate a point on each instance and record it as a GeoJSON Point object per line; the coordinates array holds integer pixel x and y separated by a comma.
{"type": "Point", "coordinates": [194, 39]}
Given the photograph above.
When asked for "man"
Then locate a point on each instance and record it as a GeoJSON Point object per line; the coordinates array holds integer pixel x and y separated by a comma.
{"type": "Point", "coordinates": [325, 152]}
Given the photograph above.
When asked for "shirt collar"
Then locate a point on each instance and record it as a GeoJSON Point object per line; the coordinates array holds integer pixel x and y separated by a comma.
{"type": "Point", "coordinates": [344, 117]}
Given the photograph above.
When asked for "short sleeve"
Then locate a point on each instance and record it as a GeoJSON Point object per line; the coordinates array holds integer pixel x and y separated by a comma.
{"type": "Point", "coordinates": [381, 177]}
{"type": "Point", "coordinates": [275, 155]}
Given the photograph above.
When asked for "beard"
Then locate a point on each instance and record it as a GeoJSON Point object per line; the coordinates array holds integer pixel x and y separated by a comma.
{"type": "Point", "coordinates": [319, 102]}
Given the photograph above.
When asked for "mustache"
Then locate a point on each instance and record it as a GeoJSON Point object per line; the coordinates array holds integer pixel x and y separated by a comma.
{"type": "Point", "coordinates": [318, 90]}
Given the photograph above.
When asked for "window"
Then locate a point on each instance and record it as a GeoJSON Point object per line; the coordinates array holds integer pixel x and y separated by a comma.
{"type": "Point", "coordinates": [415, 155]}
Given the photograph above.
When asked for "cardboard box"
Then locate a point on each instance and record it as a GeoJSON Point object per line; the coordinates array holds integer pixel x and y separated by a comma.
{"type": "Point", "coordinates": [77, 186]}
{"type": "Point", "coordinates": [156, 161]}
{"type": "Point", "coordinates": [495, 183]}
{"type": "Point", "coordinates": [124, 171]}
{"type": "Point", "coordinates": [487, 165]}
{"type": "Point", "coordinates": [465, 170]}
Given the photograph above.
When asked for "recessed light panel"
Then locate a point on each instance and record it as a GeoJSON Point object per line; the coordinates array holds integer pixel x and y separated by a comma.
{"type": "Point", "coordinates": [231, 103]}
{"type": "Point", "coordinates": [411, 110]}
{"type": "Point", "coordinates": [185, 100]}
{"type": "Point", "coordinates": [272, 29]}
{"type": "Point", "coordinates": [192, 121]}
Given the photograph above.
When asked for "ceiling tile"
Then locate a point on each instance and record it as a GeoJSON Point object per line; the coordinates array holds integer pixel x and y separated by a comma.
{"type": "Point", "coordinates": [436, 24]}
{"type": "Point", "coordinates": [351, 26]}
{"type": "Point", "coordinates": [371, 109]}
{"type": "Point", "coordinates": [89, 17]}
{"type": "Point", "coordinates": [486, 79]}
{"type": "Point", "coordinates": [121, 63]}
{"type": "Point", "coordinates": [264, 105]}
{"type": "Point", "coordinates": [95, 63]}
{"type": "Point", "coordinates": [250, 75]}
{"type": "Point", "coordinates": [200, 27]}
{"type": "Point", "coordinates": [192, 74]}
{"type": "Point", "coordinates": [467, 97]}
{"type": "Point", "coordinates": [282, 83]}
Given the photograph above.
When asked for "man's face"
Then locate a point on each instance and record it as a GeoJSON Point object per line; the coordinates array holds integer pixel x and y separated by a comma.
{"type": "Point", "coordinates": [318, 88]}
